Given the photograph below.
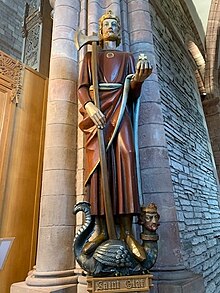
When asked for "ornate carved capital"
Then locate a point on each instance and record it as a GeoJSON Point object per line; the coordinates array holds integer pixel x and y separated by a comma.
{"type": "Point", "coordinates": [12, 72]}
{"type": "Point", "coordinates": [32, 46]}
{"type": "Point", "coordinates": [32, 26]}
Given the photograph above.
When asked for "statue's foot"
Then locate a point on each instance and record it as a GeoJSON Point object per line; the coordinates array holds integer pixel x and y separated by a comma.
{"type": "Point", "coordinates": [91, 246]}
{"type": "Point", "coordinates": [135, 247]}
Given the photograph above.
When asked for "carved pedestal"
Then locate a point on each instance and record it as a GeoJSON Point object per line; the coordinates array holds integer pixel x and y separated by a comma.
{"type": "Point", "coordinates": [138, 283]}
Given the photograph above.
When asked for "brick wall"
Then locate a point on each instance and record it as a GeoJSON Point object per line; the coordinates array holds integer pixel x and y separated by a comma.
{"type": "Point", "coordinates": [11, 15]}
{"type": "Point", "coordinates": [193, 174]}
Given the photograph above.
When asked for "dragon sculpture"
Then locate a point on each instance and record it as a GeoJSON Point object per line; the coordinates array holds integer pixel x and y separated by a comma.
{"type": "Point", "coordinates": [113, 257]}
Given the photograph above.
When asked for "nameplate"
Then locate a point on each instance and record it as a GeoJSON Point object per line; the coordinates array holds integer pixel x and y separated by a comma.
{"type": "Point", "coordinates": [138, 283]}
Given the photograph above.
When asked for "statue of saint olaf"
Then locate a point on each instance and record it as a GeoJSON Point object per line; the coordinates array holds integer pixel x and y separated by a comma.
{"type": "Point", "coordinates": [119, 87]}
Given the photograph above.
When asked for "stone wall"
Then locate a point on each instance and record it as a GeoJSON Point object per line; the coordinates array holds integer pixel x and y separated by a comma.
{"type": "Point", "coordinates": [191, 161]}
{"type": "Point", "coordinates": [11, 15]}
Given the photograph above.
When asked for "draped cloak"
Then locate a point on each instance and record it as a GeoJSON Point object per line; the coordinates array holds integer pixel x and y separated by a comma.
{"type": "Point", "coordinates": [113, 68]}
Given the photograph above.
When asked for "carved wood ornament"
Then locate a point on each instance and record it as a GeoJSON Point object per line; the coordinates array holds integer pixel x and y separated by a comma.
{"type": "Point", "coordinates": [11, 73]}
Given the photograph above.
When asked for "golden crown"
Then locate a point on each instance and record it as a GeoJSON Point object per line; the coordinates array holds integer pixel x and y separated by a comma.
{"type": "Point", "coordinates": [109, 15]}
{"type": "Point", "coordinates": [151, 208]}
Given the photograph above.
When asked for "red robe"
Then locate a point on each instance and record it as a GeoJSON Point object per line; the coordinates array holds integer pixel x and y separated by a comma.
{"type": "Point", "coordinates": [121, 153]}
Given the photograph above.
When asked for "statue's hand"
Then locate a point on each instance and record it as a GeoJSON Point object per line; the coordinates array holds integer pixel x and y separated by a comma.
{"type": "Point", "coordinates": [143, 69]}
{"type": "Point", "coordinates": [96, 115]}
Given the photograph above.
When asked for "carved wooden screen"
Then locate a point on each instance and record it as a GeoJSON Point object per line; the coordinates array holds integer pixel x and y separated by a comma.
{"type": "Point", "coordinates": [10, 80]}
{"type": "Point", "coordinates": [6, 117]}
{"type": "Point", "coordinates": [23, 96]}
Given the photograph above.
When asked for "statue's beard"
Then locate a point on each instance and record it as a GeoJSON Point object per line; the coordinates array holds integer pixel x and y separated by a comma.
{"type": "Point", "coordinates": [110, 37]}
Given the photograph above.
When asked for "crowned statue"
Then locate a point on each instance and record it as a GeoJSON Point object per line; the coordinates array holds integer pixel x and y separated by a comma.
{"type": "Point", "coordinates": [119, 83]}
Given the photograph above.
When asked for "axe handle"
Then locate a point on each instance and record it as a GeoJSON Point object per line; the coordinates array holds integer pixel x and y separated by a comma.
{"type": "Point", "coordinates": [102, 153]}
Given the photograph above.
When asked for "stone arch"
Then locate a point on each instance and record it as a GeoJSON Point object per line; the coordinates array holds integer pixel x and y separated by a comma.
{"type": "Point", "coordinates": [212, 51]}
{"type": "Point", "coordinates": [200, 66]}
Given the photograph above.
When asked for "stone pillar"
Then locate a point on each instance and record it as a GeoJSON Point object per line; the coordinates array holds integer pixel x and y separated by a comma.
{"type": "Point", "coordinates": [169, 272]}
{"type": "Point", "coordinates": [55, 261]}
{"type": "Point", "coordinates": [154, 162]}
{"type": "Point", "coordinates": [212, 114]}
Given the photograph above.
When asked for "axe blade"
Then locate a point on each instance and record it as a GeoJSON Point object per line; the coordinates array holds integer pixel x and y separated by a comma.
{"type": "Point", "coordinates": [81, 39]}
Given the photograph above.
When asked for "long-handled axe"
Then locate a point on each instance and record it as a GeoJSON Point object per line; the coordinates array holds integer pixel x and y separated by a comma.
{"type": "Point", "coordinates": [80, 41]}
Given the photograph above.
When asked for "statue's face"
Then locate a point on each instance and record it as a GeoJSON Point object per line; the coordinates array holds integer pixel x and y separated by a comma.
{"type": "Point", "coordinates": [110, 30]}
{"type": "Point", "coordinates": [151, 221]}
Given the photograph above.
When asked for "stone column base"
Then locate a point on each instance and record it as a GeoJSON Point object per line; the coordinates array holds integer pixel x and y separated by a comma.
{"type": "Point", "coordinates": [24, 288]}
{"type": "Point", "coordinates": [82, 285]}
{"type": "Point", "coordinates": [177, 282]}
